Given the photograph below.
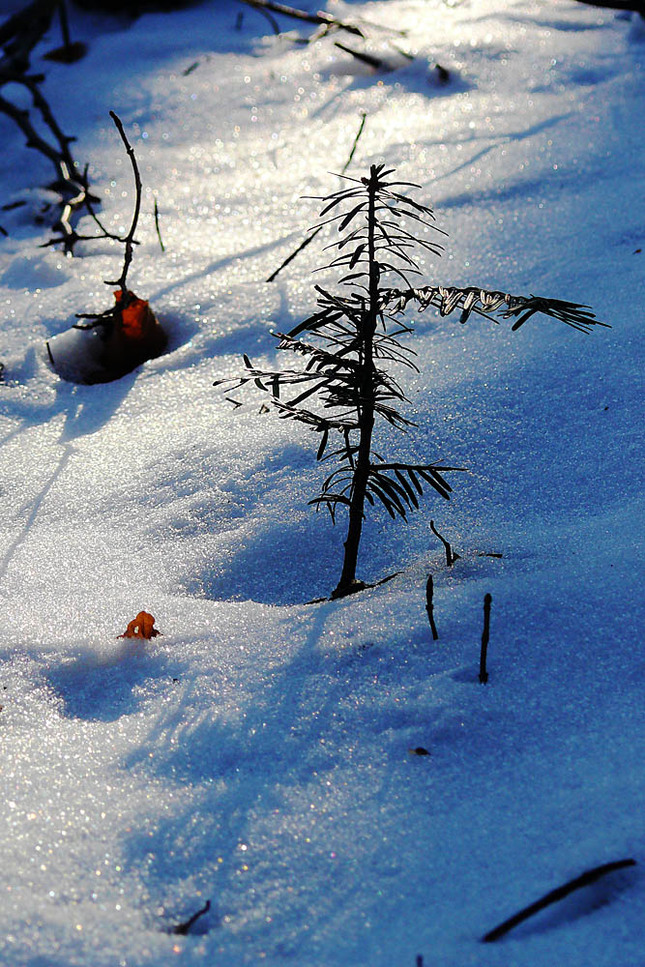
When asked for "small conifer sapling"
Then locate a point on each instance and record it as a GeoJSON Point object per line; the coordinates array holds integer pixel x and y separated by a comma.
{"type": "Point", "coordinates": [344, 388]}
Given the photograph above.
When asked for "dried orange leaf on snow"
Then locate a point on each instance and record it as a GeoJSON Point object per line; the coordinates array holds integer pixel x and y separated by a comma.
{"type": "Point", "coordinates": [129, 337]}
{"type": "Point", "coordinates": [138, 321]}
{"type": "Point", "coordinates": [143, 626]}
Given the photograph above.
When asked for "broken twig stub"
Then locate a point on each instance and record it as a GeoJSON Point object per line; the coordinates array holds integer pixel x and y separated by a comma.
{"type": "Point", "coordinates": [483, 654]}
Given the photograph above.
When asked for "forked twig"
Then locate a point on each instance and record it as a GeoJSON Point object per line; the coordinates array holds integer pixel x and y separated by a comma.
{"type": "Point", "coordinates": [128, 241]}
{"type": "Point", "coordinates": [18, 36]}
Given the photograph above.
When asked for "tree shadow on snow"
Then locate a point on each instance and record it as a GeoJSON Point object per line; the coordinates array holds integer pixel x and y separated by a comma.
{"type": "Point", "coordinates": [103, 690]}
{"type": "Point", "coordinates": [287, 564]}
{"type": "Point", "coordinates": [246, 768]}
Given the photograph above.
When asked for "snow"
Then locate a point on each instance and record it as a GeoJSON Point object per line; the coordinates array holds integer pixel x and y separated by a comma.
{"type": "Point", "coordinates": [257, 754]}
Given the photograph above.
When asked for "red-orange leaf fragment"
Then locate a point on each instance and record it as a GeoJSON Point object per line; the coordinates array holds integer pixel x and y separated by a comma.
{"type": "Point", "coordinates": [139, 324]}
{"type": "Point", "coordinates": [141, 627]}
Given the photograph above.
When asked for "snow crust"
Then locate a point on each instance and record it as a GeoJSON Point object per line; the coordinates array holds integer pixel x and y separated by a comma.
{"type": "Point", "coordinates": [258, 753]}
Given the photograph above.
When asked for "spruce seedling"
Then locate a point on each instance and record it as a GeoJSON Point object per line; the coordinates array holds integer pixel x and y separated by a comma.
{"type": "Point", "coordinates": [353, 340]}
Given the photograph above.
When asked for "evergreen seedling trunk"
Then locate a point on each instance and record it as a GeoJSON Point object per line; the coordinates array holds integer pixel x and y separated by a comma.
{"type": "Point", "coordinates": [365, 406]}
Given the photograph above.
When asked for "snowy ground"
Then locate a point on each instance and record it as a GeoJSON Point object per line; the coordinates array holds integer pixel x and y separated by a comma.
{"type": "Point", "coordinates": [257, 755]}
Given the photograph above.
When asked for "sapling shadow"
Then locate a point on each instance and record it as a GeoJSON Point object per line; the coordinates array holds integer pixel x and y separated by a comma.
{"type": "Point", "coordinates": [353, 342]}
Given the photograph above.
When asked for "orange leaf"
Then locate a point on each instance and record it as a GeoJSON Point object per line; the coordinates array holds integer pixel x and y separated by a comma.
{"type": "Point", "coordinates": [138, 321]}
{"type": "Point", "coordinates": [141, 627]}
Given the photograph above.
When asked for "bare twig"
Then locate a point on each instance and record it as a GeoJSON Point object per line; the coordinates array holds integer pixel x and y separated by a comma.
{"type": "Point", "coordinates": [18, 36]}
{"type": "Point", "coordinates": [369, 59]}
{"type": "Point", "coordinates": [60, 157]}
{"type": "Point", "coordinates": [322, 19]}
{"type": "Point", "coordinates": [183, 928]}
{"type": "Point", "coordinates": [157, 228]}
{"type": "Point", "coordinates": [350, 157]}
{"type": "Point", "coordinates": [275, 26]}
{"type": "Point", "coordinates": [430, 607]}
{"type": "Point", "coordinates": [483, 673]}
{"type": "Point", "coordinates": [451, 556]}
{"type": "Point", "coordinates": [303, 245]}
{"type": "Point", "coordinates": [128, 241]}
{"type": "Point", "coordinates": [585, 879]}
{"type": "Point", "coordinates": [125, 297]}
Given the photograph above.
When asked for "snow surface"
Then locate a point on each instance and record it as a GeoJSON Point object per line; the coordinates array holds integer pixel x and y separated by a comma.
{"type": "Point", "coordinates": [257, 754]}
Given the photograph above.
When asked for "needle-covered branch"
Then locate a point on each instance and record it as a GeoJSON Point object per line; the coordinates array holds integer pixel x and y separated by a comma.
{"type": "Point", "coordinates": [491, 304]}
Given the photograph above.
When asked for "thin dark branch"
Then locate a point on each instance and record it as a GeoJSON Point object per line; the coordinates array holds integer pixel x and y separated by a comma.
{"type": "Point", "coordinates": [307, 241]}
{"type": "Point", "coordinates": [157, 228]}
{"type": "Point", "coordinates": [483, 672]}
{"type": "Point", "coordinates": [303, 245]}
{"type": "Point", "coordinates": [430, 607]}
{"type": "Point", "coordinates": [184, 928]}
{"type": "Point", "coordinates": [554, 896]}
{"type": "Point", "coordinates": [18, 36]}
{"type": "Point", "coordinates": [355, 144]}
{"type": "Point", "coordinates": [128, 241]}
{"type": "Point", "coordinates": [451, 557]}
{"type": "Point", "coordinates": [321, 19]}
{"type": "Point", "coordinates": [361, 56]}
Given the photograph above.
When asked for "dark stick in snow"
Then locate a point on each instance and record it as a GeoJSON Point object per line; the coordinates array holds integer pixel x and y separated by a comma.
{"type": "Point", "coordinates": [451, 557]}
{"type": "Point", "coordinates": [430, 607]}
{"type": "Point", "coordinates": [183, 928]}
{"type": "Point", "coordinates": [483, 674]}
{"type": "Point", "coordinates": [305, 242]}
{"type": "Point", "coordinates": [322, 19]}
{"type": "Point", "coordinates": [585, 879]}
{"type": "Point", "coordinates": [128, 241]}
